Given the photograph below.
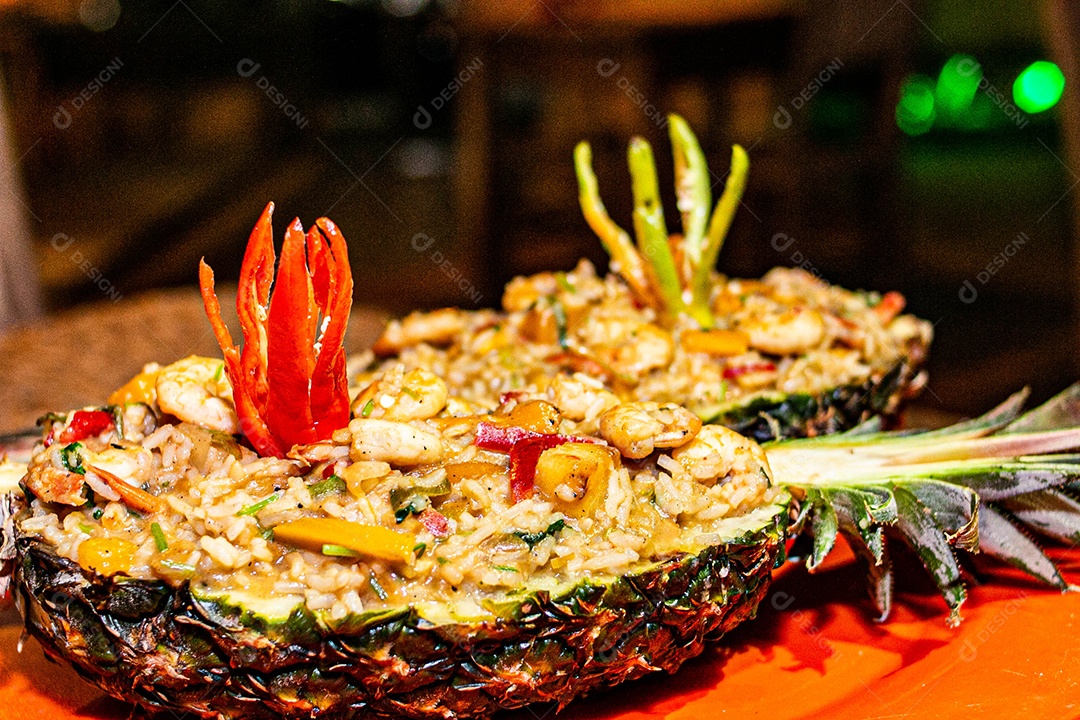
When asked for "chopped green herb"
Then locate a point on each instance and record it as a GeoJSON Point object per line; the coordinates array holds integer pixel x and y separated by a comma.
{"type": "Point", "coordinates": [505, 568]}
{"type": "Point", "coordinates": [98, 512]}
{"type": "Point", "coordinates": [339, 551]}
{"type": "Point", "coordinates": [267, 533]}
{"type": "Point", "coordinates": [532, 539]}
{"type": "Point", "coordinates": [415, 505]}
{"type": "Point", "coordinates": [159, 537]}
{"type": "Point", "coordinates": [411, 393]}
{"type": "Point", "coordinates": [368, 407]}
{"type": "Point", "coordinates": [135, 514]}
{"type": "Point", "coordinates": [50, 417]}
{"type": "Point", "coordinates": [332, 484]}
{"type": "Point", "coordinates": [118, 419]}
{"type": "Point", "coordinates": [88, 529]}
{"type": "Point", "coordinates": [217, 373]}
{"type": "Point", "coordinates": [72, 459]}
{"type": "Point", "coordinates": [418, 551]}
{"type": "Point", "coordinates": [559, 312]}
{"type": "Point", "coordinates": [564, 283]}
{"type": "Point", "coordinates": [441, 560]}
{"type": "Point", "coordinates": [377, 588]}
{"type": "Point", "coordinates": [252, 509]}
{"type": "Point", "coordinates": [179, 567]}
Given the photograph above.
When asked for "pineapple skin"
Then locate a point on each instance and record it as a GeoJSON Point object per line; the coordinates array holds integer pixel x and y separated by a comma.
{"type": "Point", "coordinates": [800, 415]}
{"type": "Point", "coordinates": [165, 649]}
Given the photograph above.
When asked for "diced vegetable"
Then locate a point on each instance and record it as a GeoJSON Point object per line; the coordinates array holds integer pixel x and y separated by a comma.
{"type": "Point", "coordinates": [536, 415]}
{"type": "Point", "coordinates": [107, 555]}
{"type": "Point", "coordinates": [159, 537]}
{"type": "Point", "coordinates": [435, 523]}
{"type": "Point", "coordinates": [140, 389]}
{"type": "Point", "coordinates": [338, 551]}
{"type": "Point", "coordinates": [735, 371]}
{"type": "Point", "coordinates": [368, 540]}
{"type": "Point", "coordinates": [72, 459]}
{"type": "Point", "coordinates": [332, 484]}
{"type": "Point", "coordinates": [891, 305]}
{"type": "Point", "coordinates": [84, 424]}
{"type": "Point", "coordinates": [574, 476]}
{"type": "Point", "coordinates": [256, 507]}
{"type": "Point", "coordinates": [532, 539]}
{"type": "Point", "coordinates": [718, 343]}
{"type": "Point", "coordinates": [456, 472]}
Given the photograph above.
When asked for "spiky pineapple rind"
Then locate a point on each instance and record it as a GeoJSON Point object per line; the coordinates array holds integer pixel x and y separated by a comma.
{"type": "Point", "coordinates": [165, 648]}
{"type": "Point", "coordinates": [797, 415]}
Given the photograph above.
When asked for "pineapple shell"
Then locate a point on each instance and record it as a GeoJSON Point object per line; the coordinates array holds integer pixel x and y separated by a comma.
{"type": "Point", "coordinates": [777, 416]}
{"type": "Point", "coordinates": [209, 656]}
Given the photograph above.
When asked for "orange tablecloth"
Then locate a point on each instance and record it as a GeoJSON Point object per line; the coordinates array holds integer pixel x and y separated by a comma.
{"type": "Point", "coordinates": [812, 652]}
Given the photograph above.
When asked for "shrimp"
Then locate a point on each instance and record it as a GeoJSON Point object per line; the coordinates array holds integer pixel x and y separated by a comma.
{"type": "Point", "coordinates": [196, 390]}
{"type": "Point", "coordinates": [438, 327]}
{"type": "Point", "coordinates": [790, 332]}
{"type": "Point", "coordinates": [717, 453]}
{"type": "Point", "coordinates": [402, 396]}
{"type": "Point", "coordinates": [629, 346]}
{"type": "Point", "coordinates": [580, 397]}
{"type": "Point", "coordinates": [397, 443]}
{"type": "Point", "coordinates": [637, 428]}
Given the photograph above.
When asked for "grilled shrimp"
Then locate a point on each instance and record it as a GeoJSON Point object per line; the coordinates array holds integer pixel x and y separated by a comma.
{"type": "Point", "coordinates": [791, 332]}
{"type": "Point", "coordinates": [578, 398]}
{"type": "Point", "coordinates": [631, 347]}
{"type": "Point", "coordinates": [196, 390]}
{"type": "Point", "coordinates": [402, 396]}
{"type": "Point", "coordinates": [397, 443]}
{"type": "Point", "coordinates": [637, 428]}
{"type": "Point", "coordinates": [438, 327]}
{"type": "Point", "coordinates": [718, 452]}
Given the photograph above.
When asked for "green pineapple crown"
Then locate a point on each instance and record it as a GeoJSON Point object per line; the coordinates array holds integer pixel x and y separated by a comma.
{"type": "Point", "coordinates": [978, 486]}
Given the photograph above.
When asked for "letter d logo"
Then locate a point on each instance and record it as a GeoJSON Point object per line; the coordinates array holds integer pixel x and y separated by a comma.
{"type": "Point", "coordinates": [968, 293]}
{"type": "Point", "coordinates": [62, 118]}
{"type": "Point", "coordinates": [422, 118]}
{"type": "Point", "coordinates": [782, 118]}
{"type": "Point", "coordinates": [246, 68]}
{"type": "Point", "coordinates": [607, 67]}
{"type": "Point", "coordinates": [421, 242]}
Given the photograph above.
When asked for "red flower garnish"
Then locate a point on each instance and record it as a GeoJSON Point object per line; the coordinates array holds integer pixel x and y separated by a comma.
{"type": "Point", "coordinates": [289, 383]}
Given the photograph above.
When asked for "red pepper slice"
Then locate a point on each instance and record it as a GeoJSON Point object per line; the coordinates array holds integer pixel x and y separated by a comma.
{"type": "Point", "coordinates": [891, 305]}
{"type": "Point", "coordinates": [289, 383]}
{"type": "Point", "coordinates": [731, 373]}
{"type": "Point", "coordinates": [525, 447]}
{"type": "Point", "coordinates": [86, 423]}
{"type": "Point", "coordinates": [435, 522]}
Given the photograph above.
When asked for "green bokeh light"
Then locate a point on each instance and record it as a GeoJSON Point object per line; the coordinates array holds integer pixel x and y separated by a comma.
{"type": "Point", "coordinates": [915, 111]}
{"type": "Point", "coordinates": [1038, 87]}
{"type": "Point", "coordinates": [957, 84]}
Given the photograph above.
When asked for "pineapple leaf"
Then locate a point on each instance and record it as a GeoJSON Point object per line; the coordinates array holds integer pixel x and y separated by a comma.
{"type": "Point", "coordinates": [863, 511]}
{"type": "Point", "coordinates": [1060, 411]}
{"type": "Point", "coordinates": [1053, 513]}
{"type": "Point", "coordinates": [878, 574]}
{"type": "Point", "coordinates": [987, 423]}
{"type": "Point", "coordinates": [916, 525]}
{"type": "Point", "coordinates": [1003, 540]}
{"type": "Point", "coordinates": [823, 526]}
{"type": "Point", "coordinates": [955, 510]}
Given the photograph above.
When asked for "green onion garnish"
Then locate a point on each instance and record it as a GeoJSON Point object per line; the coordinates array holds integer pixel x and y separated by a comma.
{"type": "Point", "coordinates": [98, 512]}
{"type": "Point", "coordinates": [88, 529]}
{"type": "Point", "coordinates": [559, 312]}
{"type": "Point", "coordinates": [418, 551]}
{"type": "Point", "coordinates": [368, 407]}
{"type": "Point", "coordinates": [252, 509]}
{"type": "Point", "coordinates": [377, 588]}
{"type": "Point", "coordinates": [179, 567]}
{"type": "Point", "coordinates": [441, 560]}
{"type": "Point", "coordinates": [411, 393]}
{"type": "Point", "coordinates": [564, 283]}
{"type": "Point", "coordinates": [332, 484]}
{"type": "Point", "coordinates": [504, 568]}
{"type": "Point", "coordinates": [72, 460]}
{"type": "Point", "coordinates": [339, 551]}
{"type": "Point", "coordinates": [159, 537]}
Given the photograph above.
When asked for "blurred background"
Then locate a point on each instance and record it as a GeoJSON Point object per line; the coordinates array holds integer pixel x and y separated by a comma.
{"type": "Point", "coordinates": [925, 146]}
